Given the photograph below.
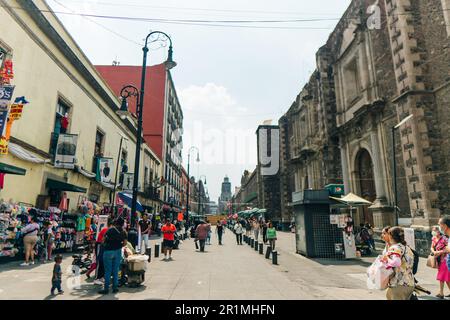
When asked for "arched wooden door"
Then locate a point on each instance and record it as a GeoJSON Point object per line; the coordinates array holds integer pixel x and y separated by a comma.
{"type": "Point", "coordinates": [366, 182]}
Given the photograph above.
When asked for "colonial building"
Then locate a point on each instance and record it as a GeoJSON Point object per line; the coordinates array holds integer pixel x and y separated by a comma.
{"type": "Point", "coordinates": [67, 99]}
{"type": "Point", "coordinates": [246, 196]}
{"type": "Point", "coordinates": [162, 120]}
{"type": "Point", "coordinates": [369, 77]}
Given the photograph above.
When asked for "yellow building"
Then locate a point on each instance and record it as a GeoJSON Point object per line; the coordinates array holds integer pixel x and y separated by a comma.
{"type": "Point", "coordinates": [55, 76]}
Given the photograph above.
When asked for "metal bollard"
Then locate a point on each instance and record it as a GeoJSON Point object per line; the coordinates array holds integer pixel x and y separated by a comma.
{"type": "Point", "coordinates": [261, 248]}
{"type": "Point", "coordinates": [245, 238]}
{"type": "Point", "coordinates": [148, 251]}
{"type": "Point", "coordinates": [156, 250]}
{"type": "Point", "coordinates": [256, 245]}
{"type": "Point", "coordinates": [274, 257]}
{"type": "Point", "coordinates": [268, 252]}
{"type": "Point", "coordinates": [252, 241]}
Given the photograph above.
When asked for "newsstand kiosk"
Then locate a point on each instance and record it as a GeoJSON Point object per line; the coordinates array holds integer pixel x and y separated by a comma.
{"type": "Point", "coordinates": [320, 231]}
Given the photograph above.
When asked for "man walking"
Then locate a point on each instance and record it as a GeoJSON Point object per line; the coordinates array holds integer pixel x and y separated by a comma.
{"type": "Point", "coordinates": [219, 231]}
{"type": "Point", "coordinates": [145, 225]}
{"type": "Point", "coordinates": [168, 231]}
{"type": "Point", "coordinates": [238, 230]}
{"type": "Point", "coordinates": [202, 233]}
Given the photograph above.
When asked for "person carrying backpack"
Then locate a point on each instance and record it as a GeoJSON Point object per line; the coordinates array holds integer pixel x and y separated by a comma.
{"type": "Point", "coordinates": [400, 258]}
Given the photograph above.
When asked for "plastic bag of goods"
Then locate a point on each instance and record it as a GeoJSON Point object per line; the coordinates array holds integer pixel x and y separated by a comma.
{"type": "Point", "coordinates": [137, 262]}
{"type": "Point", "coordinates": [378, 276]}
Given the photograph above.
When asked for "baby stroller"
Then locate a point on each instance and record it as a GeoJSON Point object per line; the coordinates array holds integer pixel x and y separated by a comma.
{"type": "Point", "coordinates": [133, 270]}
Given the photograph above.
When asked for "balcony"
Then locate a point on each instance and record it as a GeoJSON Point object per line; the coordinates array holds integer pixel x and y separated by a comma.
{"type": "Point", "coordinates": [53, 144]}
{"type": "Point", "coordinates": [151, 192]}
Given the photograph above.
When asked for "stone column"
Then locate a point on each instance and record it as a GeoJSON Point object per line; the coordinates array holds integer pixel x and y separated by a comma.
{"type": "Point", "coordinates": [344, 162]}
{"type": "Point", "coordinates": [383, 214]}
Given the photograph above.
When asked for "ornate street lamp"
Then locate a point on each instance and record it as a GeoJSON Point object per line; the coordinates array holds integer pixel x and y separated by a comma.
{"type": "Point", "coordinates": [123, 112]}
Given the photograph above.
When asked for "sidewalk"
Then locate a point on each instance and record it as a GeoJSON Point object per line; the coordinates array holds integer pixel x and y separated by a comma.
{"type": "Point", "coordinates": [225, 272]}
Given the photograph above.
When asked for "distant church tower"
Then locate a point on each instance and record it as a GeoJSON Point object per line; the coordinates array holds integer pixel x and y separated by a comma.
{"type": "Point", "coordinates": [225, 195]}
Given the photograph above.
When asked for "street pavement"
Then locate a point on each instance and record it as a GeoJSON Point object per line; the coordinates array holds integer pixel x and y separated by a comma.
{"type": "Point", "coordinates": [227, 272]}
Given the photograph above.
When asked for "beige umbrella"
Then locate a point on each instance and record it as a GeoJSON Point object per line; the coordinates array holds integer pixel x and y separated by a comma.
{"type": "Point", "coordinates": [352, 200]}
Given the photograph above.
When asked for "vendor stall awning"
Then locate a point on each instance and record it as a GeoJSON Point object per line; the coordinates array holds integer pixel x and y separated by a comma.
{"type": "Point", "coordinates": [25, 155]}
{"type": "Point", "coordinates": [9, 169]}
{"type": "Point", "coordinates": [63, 186]}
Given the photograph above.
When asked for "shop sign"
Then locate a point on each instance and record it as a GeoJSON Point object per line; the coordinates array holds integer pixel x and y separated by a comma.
{"type": "Point", "coordinates": [410, 237]}
{"type": "Point", "coordinates": [334, 219]}
{"type": "Point", "coordinates": [105, 169]}
{"type": "Point", "coordinates": [16, 111]}
{"type": "Point", "coordinates": [102, 223]}
{"type": "Point", "coordinates": [6, 93]}
{"type": "Point", "coordinates": [66, 150]}
{"type": "Point", "coordinates": [3, 117]}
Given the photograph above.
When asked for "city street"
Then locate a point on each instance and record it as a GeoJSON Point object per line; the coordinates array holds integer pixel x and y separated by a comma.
{"type": "Point", "coordinates": [222, 272]}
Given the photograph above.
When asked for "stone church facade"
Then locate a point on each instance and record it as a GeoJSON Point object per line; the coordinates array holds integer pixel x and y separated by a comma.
{"type": "Point", "coordinates": [367, 80]}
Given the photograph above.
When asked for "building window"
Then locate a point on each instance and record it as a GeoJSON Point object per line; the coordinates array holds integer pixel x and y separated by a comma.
{"type": "Point", "coordinates": [98, 149]}
{"type": "Point", "coordinates": [61, 123]}
{"type": "Point", "coordinates": [351, 81]}
{"type": "Point", "coordinates": [146, 177]}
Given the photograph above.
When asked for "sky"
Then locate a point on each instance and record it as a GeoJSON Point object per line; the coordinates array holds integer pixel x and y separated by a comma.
{"type": "Point", "coordinates": [231, 76]}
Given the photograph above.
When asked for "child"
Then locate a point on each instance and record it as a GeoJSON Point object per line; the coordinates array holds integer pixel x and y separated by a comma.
{"type": "Point", "coordinates": [56, 278]}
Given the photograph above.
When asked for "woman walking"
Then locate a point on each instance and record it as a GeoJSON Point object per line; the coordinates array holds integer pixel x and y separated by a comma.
{"type": "Point", "coordinates": [238, 230]}
{"type": "Point", "coordinates": [400, 258]}
{"type": "Point", "coordinates": [271, 235]}
{"type": "Point", "coordinates": [439, 243]}
{"type": "Point", "coordinates": [30, 238]}
{"type": "Point", "coordinates": [263, 225]}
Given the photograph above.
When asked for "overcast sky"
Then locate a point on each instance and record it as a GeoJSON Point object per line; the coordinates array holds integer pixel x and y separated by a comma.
{"type": "Point", "coordinates": [228, 79]}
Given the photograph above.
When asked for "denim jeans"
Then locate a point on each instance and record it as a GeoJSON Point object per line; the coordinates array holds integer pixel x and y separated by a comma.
{"type": "Point", "coordinates": [202, 245]}
{"type": "Point", "coordinates": [56, 284]}
{"type": "Point", "coordinates": [111, 262]}
{"type": "Point", "coordinates": [144, 239]}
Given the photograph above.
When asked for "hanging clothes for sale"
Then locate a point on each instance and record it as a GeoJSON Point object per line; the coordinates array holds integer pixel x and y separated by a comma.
{"type": "Point", "coordinates": [63, 205]}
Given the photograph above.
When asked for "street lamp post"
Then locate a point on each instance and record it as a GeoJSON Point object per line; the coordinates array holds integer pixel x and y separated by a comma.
{"type": "Point", "coordinates": [189, 179]}
{"type": "Point", "coordinates": [139, 111]}
{"type": "Point", "coordinates": [394, 164]}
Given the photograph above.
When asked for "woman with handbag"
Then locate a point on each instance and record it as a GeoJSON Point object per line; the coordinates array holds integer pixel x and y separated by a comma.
{"type": "Point", "coordinates": [439, 243]}
{"type": "Point", "coordinates": [400, 259]}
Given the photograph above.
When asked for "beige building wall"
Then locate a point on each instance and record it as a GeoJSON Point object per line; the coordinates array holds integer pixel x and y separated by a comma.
{"type": "Point", "coordinates": [43, 74]}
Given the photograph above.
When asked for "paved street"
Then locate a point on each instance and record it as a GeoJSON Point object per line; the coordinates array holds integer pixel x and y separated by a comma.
{"type": "Point", "coordinates": [223, 272]}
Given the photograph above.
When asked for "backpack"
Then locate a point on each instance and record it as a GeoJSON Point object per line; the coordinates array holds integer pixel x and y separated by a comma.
{"type": "Point", "coordinates": [416, 259]}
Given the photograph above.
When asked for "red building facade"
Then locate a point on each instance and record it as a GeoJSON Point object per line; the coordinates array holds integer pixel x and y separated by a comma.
{"type": "Point", "coordinates": [162, 119]}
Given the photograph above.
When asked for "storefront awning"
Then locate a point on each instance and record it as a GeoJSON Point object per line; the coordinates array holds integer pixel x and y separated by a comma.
{"type": "Point", "coordinates": [25, 155]}
{"type": "Point", "coordinates": [8, 169]}
{"type": "Point", "coordinates": [63, 186]}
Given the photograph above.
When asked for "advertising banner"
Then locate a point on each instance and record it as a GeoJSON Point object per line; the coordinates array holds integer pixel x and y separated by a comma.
{"type": "Point", "coordinates": [128, 179]}
{"type": "Point", "coordinates": [105, 170]}
{"type": "Point", "coordinates": [102, 223]}
{"type": "Point", "coordinates": [65, 151]}
{"type": "Point", "coordinates": [6, 93]}
{"type": "Point", "coordinates": [3, 117]}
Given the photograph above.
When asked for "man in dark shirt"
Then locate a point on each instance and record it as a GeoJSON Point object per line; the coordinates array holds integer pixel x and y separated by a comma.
{"type": "Point", "coordinates": [145, 225]}
{"type": "Point", "coordinates": [219, 231]}
{"type": "Point", "coordinates": [113, 242]}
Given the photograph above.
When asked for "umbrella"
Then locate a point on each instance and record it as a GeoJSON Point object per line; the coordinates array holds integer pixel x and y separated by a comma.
{"type": "Point", "coordinates": [352, 200]}
{"type": "Point", "coordinates": [128, 198]}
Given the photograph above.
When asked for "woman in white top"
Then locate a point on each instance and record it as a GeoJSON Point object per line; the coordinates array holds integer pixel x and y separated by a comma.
{"type": "Point", "coordinates": [30, 238]}
{"type": "Point", "coordinates": [238, 230]}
